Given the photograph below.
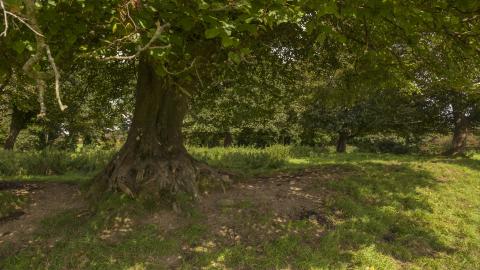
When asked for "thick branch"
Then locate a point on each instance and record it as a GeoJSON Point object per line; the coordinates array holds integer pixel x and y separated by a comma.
{"type": "Point", "coordinates": [28, 67]}
{"type": "Point", "coordinates": [57, 78]}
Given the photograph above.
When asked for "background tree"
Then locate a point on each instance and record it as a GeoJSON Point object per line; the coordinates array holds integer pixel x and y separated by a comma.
{"type": "Point", "coordinates": [449, 79]}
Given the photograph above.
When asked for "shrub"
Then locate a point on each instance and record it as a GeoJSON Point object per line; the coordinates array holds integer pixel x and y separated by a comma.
{"type": "Point", "coordinates": [300, 151]}
{"type": "Point", "coordinates": [384, 144]}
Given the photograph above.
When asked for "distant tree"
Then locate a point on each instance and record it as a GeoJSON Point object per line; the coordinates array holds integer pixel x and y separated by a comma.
{"type": "Point", "coordinates": [255, 99]}
{"type": "Point", "coordinates": [450, 81]}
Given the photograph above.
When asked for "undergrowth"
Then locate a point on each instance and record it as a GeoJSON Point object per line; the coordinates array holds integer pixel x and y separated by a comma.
{"type": "Point", "coordinates": [52, 162]}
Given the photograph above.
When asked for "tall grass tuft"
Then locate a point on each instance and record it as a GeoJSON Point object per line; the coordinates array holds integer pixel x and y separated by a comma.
{"type": "Point", "coordinates": [53, 162]}
{"type": "Point", "coordinates": [88, 161]}
{"type": "Point", "coordinates": [271, 157]}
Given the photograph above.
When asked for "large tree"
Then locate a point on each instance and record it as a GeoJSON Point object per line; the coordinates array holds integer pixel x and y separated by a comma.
{"type": "Point", "coordinates": [180, 47]}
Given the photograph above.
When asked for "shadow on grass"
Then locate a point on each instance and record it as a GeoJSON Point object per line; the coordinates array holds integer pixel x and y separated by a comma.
{"type": "Point", "coordinates": [470, 163]}
{"type": "Point", "coordinates": [378, 217]}
{"type": "Point", "coordinates": [382, 207]}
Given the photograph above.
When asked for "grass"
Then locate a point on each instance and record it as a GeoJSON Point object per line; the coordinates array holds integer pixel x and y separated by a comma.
{"type": "Point", "coordinates": [10, 203]}
{"type": "Point", "coordinates": [69, 177]}
{"type": "Point", "coordinates": [383, 212]}
{"type": "Point", "coordinates": [52, 163]}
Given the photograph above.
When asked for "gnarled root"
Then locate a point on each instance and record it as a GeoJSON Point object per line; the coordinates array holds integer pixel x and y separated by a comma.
{"type": "Point", "coordinates": [158, 177]}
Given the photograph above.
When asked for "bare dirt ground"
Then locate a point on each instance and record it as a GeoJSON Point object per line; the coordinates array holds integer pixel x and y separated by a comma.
{"type": "Point", "coordinates": [278, 199]}
{"type": "Point", "coordinates": [259, 209]}
{"type": "Point", "coordinates": [250, 211]}
{"type": "Point", "coordinates": [44, 200]}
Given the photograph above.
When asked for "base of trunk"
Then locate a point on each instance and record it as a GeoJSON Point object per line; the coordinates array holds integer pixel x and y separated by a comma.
{"type": "Point", "coordinates": [154, 178]}
{"type": "Point", "coordinates": [458, 144]}
{"type": "Point", "coordinates": [342, 143]}
{"type": "Point", "coordinates": [227, 139]}
{"type": "Point", "coordinates": [19, 121]}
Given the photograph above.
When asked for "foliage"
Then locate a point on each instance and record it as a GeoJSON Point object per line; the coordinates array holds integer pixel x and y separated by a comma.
{"type": "Point", "coordinates": [385, 144]}
{"type": "Point", "coordinates": [258, 67]}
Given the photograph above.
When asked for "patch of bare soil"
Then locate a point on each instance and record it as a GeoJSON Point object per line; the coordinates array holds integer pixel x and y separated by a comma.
{"type": "Point", "coordinates": [261, 209]}
{"type": "Point", "coordinates": [45, 200]}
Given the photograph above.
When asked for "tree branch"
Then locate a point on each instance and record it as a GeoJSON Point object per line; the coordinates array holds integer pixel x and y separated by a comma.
{"type": "Point", "coordinates": [5, 19]}
{"type": "Point", "coordinates": [6, 13]}
{"type": "Point", "coordinates": [183, 70]}
{"type": "Point", "coordinates": [156, 35]}
{"type": "Point", "coordinates": [57, 78]}
{"type": "Point", "coordinates": [28, 68]}
{"type": "Point", "coordinates": [23, 20]}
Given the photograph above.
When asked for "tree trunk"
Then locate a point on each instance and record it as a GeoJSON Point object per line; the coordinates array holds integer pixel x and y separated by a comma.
{"type": "Point", "coordinates": [153, 162]}
{"type": "Point", "coordinates": [227, 139]}
{"type": "Point", "coordinates": [19, 121]}
{"type": "Point", "coordinates": [342, 142]}
{"type": "Point", "coordinates": [460, 131]}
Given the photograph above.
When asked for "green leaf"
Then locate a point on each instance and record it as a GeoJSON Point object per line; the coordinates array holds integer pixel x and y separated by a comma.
{"type": "Point", "coordinates": [212, 32]}
{"type": "Point", "coordinates": [251, 28]}
{"type": "Point", "coordinates": [202, 4]}
{"type": "Point", "coordinates": [234, 57]}
{"type": "Point", "coordinates": [186, 23]}
{"type": "Point", "coordinates": [245, 51]}
{"type": "Point", "coordinates": [321, 38]}
{"type": "Point", "coordinates": [16, 3]}
{"type": "Point", "coordinates": [230, 41]}
{"type": "Point", "coordinates": [19, 46]}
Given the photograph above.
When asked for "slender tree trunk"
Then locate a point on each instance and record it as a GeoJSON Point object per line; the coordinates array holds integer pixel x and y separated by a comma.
{"type": "Point", "coordinates": [19, 121]}
{"type": "Point", "coordinates": [153, 162]}
{"type": "Point", "coordinates": [342, 142]}
{"type": "Point", "coordinates": [460, 131]}
{"type": "Point", "coordinates": [227, 139]}
{"type": "Point", "coordinates": [87, 140]}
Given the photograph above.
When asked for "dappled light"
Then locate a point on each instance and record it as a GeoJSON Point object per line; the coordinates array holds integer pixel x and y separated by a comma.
{"type": "Point", "coordinates": [335, 211]}
{"type": "Point", "coordinates": [239, 134]}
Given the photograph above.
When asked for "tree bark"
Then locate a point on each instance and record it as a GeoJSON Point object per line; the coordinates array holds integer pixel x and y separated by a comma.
{"type": "Point", "coordinates": [460, 132]}
{"type": "Point", "coordinates": [19, 121]}
{"type": "Point", "coordinates": [342, 142]}
{"type": "Point", "coordinates": [153, 162]}
{"type": "Point", "coordinates": [227, 139]}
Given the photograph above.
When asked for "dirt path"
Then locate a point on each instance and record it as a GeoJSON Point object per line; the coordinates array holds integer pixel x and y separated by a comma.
{"type": "Point", "coordinates": [45, 200]}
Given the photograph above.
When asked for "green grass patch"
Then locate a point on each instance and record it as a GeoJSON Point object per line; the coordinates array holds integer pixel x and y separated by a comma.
{"type": "Point", "coordinates": [52, 162]}
{"type": "Point", "coordinates": [384, 212]}
{"type": "Point", "coordinates": [11, 203]}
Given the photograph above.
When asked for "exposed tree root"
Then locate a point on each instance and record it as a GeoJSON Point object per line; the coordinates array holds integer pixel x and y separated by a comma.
{"type": "Point", "coordinates": [157, 177]}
